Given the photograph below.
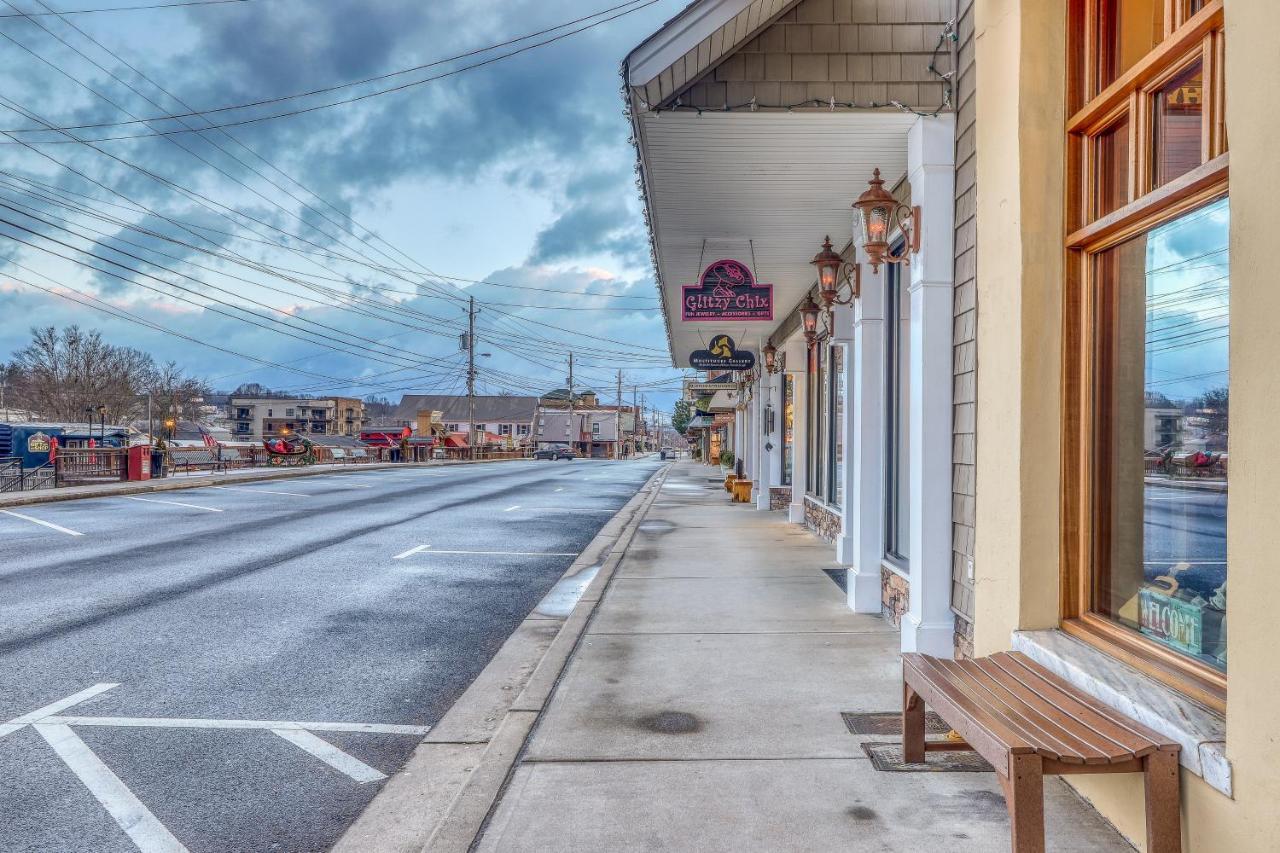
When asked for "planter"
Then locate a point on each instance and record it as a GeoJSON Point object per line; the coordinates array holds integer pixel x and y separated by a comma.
{"type": "Point", "coordinates": [729, 480]}
{"type": "Point", "coordinates": [742, 491]}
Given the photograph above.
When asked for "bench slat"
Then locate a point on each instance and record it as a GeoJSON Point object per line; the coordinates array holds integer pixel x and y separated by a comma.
{"type": "Point", "coordinates": [1129, 734]}
{"type": "Point", "coordinates": [1049, 739]}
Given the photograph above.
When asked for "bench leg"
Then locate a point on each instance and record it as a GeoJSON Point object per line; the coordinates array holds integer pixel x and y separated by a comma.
{"type": "Point", "coordinates": [1024, 797]}
{"type": "Point", "coordinates": [912, 726]}
{"type": "Point", "coordinates": [1164, 818]}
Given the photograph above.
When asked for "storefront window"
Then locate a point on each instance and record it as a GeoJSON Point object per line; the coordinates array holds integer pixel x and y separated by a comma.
{"type": "Point", "coordinates": [1146, 374]}
{"type": "Point", "coordinates": [898, 416]}
{"type": "Point", "coordinates": [1165, 297]}
{"type": "Point", "coordinates": [788, 426]}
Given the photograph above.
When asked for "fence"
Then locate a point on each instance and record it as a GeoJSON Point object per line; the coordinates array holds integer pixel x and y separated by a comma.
{"type": "Point", "coordinates": [91, 465]}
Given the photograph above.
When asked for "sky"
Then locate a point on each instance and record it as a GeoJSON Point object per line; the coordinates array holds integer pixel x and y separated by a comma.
{"type": "Point", "coordinates": [332, 251]}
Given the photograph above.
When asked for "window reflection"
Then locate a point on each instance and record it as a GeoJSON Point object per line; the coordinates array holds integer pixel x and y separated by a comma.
{"type": "Point", "coordinates": [1162, 455]}
{"type": "Point", "coordinates": [1179, 119]}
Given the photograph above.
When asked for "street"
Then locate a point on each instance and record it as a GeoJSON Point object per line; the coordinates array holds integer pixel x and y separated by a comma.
{"type": "Point", "coordinates": [1186, 528]}
{"type": "Point", "coordinates": [239, 667]}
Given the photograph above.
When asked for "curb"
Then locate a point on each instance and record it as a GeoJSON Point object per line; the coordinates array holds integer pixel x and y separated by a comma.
{"type": "Point", "coordinates": [441, 800]}
{"type": "Point", "coordinates": [142, 487]}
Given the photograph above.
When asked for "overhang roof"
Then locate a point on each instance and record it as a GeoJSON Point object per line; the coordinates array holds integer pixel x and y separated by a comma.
{"type": "Point", "coordinates": [761, 188]}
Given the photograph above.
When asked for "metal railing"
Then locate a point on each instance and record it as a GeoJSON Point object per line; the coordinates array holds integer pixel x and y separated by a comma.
{"type": "Point", "coordinates": [11, 474]}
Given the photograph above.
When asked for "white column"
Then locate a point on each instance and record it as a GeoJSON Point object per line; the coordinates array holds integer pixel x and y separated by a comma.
{"type": "Point", "coordinates": [797, 365]}
{"type": "Point", "coordinates": [769, 391]}
{"type": "Point", "coordinates": [863, 547]}
{"type": "Point", "coordinates": [842, 334]}
{"type": "Point", "coordinates": [929, 623]}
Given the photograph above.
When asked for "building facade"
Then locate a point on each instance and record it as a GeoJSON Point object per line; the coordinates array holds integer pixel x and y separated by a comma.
{"type": "Point", "coordinates": [254, 418]}
{"type": "Point", "coordinates": [1017, 437]}
{"type": "Point", "coordinates": [510, 418]}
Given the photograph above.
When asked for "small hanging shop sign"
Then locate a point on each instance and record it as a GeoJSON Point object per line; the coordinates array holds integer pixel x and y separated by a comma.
{"type": "Point", "coordinates": [721, 354]}
{"type": "Point", "coordinates": [727, 291]}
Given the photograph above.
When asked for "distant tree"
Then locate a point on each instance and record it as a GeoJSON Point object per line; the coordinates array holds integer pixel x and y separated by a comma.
{"type": "Point", "coordinates": [173, 393]}
{"type": "Point", "coordinates": [376, 407]}
{"type": "Point", "coordinates": [1213, 406]}
{"type": "Point", "coordinates": [61, 373]}
{"type": "Point", "coordinates": [681, 416]}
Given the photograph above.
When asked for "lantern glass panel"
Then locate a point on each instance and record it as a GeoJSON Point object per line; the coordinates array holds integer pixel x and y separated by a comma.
{"type": "Point", "coordinates": [877, 224]}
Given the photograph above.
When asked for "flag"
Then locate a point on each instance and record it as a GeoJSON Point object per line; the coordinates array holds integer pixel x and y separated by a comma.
{"type": "Point", "coordinates": [208, 439]}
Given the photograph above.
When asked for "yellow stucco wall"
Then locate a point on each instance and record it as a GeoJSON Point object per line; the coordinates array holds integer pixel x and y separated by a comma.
{"type": "Point", "coordinates": [1020, 61]}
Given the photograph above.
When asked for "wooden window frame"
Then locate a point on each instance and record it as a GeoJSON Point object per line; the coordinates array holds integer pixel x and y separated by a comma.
{"type": "Point", "coordinates": [1084, 529]}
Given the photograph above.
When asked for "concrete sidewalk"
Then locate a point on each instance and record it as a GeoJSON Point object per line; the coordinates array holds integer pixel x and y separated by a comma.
{"type": "Point", "coordinates": [700, 710]}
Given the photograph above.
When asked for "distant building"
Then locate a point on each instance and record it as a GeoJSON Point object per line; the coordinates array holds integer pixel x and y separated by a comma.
{"type": "Point", "coordinates": [266, 417]}
{"type": "Point", "coordinates": [505, 417]}
{"type": "Point", "coordinates": [597, 433]}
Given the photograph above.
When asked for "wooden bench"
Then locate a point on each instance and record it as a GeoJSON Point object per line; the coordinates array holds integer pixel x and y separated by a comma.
{"type": "Point", "coordinates": [1028, 722]}
{"type": "Point", "coordinates": [194, 458]}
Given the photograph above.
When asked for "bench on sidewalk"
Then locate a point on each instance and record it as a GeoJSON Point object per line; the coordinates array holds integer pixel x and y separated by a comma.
{"type": "Point", "coordinates": [1028, 722]}
{"type": "Point", "coordinates": [188, 458]}
{"type": "Point", "coordinates": [338, 454]}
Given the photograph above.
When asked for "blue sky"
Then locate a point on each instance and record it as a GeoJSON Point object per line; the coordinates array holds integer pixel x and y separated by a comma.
{"type": "Point", "coordinates": [518, 173]}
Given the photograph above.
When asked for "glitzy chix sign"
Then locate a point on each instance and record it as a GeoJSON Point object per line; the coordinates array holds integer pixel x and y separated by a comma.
{"type": "Point", "coordinates": [727, 291]}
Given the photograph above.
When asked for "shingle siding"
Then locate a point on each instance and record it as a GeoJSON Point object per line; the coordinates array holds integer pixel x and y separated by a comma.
{"type": "Point", "coordinates": [964, 472]}
{"type": "Point", "coordinates": [863, 51]}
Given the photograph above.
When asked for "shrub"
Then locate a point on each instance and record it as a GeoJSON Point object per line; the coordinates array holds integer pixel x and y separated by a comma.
{"type": "Point", "coordinates": [726, 457]}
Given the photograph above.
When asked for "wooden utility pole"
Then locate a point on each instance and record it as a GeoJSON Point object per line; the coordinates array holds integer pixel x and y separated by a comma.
{"type": "Point", "coordinates": [573, 439]}
{"type": "Point", "coordinates": [618, 420]}
{"type": "Point", "coordinates": [471, 377]}
{"type": "Point", "coordinates": [635, 423]}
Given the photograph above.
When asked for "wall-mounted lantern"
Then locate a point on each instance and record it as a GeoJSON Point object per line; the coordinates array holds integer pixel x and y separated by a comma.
{"type": "Point", "coordinates": [879, 213]}
{"type": "Point", "coordinates": [770, 353]}
{"type": "Point", "coordinates": [809, 317]}
{"type": "Point", "coordinates": [834, 271]}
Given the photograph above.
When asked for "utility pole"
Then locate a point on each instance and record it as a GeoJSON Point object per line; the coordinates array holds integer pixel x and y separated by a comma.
{"type": "Point", "coordinates": [618, 417]}
{"type": "Point", "coordinates": [471, 377]}
{"type": "Point", "coordinates": [573, 439]}
{"type": "Point", "coordinates": [635, 424]}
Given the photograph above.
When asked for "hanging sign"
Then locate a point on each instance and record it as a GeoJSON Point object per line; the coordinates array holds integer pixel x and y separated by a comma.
{"type": "Point", "coordinates": [38, 443]}
{"type": "Point", "coordinates": [721, 354]}
{"type": "Point", "coordinates": [727, 291]}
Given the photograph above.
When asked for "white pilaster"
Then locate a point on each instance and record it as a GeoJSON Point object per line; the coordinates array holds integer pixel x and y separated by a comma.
{"type": "Point", "coordinates": [797, 365]}
{"type": "Point", "coordinates": [768, 391]}
{"type": "Point", "coordinates": [842, 335]}
{"type": "Point", "coordinates": [865, 545]}
{"type": "Point", "coordinates": [929, 624]}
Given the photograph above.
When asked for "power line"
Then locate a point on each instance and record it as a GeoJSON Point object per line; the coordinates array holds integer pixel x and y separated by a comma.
{"type": "Point", "coordinates": [355, 98]}
{"type": "Point", "coordinates": [178, 5]}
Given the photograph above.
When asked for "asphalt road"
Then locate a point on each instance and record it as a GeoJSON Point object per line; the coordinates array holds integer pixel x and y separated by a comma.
{"type": "Point", "coordinates": [1185, 531]}
{"type": "Point", "coordinates": [225, 615]}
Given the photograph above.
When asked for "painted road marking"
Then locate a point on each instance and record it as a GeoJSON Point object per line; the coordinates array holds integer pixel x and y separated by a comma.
{"type": "Point", "coordinates": [331, 755]}
{"type": "Point", "coordinates": [561, 489]}
{"type": "Point", "coordinates": [48, 524]}
{"type": "Point", "coordinates": [127, 810]}
{"type": "Point", "coordinates": [260, 491]}
{"type": "Point", "coordinates": [200, 723]}
{"type": "Point", "coordinates": [415, 549]}
{"type": "Point", "coordinates": [512, 508]}
{"type": "Point", "coordinates": [146, 831]}
{"type": "Point", "coordinates": [508, 553]}
{"type": "Point", "coordinates": [172, 503]}
{"type": "Point", "coordinates": [53, 708]}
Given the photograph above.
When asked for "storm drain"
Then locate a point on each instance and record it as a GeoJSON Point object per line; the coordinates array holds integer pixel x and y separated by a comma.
{"type": "Point", "coordinates": [887, 757]}
{"type": "Point", "coordinates": [890, 723]}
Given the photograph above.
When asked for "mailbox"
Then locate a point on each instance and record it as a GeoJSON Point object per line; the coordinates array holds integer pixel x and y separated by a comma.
{"type": "Point", "coordinates": [139, 462]}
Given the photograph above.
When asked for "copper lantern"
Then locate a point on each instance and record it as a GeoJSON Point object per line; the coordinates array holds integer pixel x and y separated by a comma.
{"type": "Point", "coordinates": [770, 353]}
{"type": "Point", "coordinates": [879, 212]}
{"type": "Point", "coordinates": [809, 316]}
{"type": "Point", "coordinates": [833, 270]}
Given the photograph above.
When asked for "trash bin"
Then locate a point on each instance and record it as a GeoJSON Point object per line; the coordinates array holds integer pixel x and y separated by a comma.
{"type": "Point", "coordinates": [139, 462]}
{"type": "Point", "coordinates": [157, 463]}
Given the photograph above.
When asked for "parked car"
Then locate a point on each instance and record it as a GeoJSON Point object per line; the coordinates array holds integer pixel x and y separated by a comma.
{"type": "Point", "coordinates": [667, 453]}
{"type": "Point", "coordinates": [554, 452]}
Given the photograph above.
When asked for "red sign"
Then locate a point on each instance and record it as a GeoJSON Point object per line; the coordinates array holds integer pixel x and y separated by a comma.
{"type": "Point", "coordinates": [727, 291]}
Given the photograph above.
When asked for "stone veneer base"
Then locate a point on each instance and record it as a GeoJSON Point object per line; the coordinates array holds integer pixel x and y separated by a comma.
{"type": "Point", "coordinates": [779, 497]}
{"type": "Point", "coordinates": [821, 520]}
{"type": "Point", "coordinates": [895, 595]}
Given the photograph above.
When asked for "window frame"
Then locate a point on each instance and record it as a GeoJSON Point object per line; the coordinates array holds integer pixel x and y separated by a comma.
{"type": "Point", "coordinates": [1083, 532]}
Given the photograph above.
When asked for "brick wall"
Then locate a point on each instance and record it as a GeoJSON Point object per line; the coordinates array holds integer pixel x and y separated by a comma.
{"type": "Point", "coordinates": [964, 397]}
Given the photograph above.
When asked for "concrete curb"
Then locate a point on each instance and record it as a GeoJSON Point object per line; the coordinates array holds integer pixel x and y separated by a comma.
{"type": "Point", "coordinates": [441, 800]}
{"type": "Point", "coordinates": [142, 487]}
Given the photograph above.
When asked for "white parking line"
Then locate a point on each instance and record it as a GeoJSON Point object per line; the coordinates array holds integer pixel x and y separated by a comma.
{"type": "Point", "coordinates": [415, 549]}
{"type": "Point", "coordinates": [54, 707]}
{"type": "Point", "coordinates": [171, 503]}
{"type": "Point", "coordinates": [200, 723]}
{"type": "Point", "coordinates": [48, 524]}
{"type": "Point", "coordinates": [561, 489]}
{"type": "Point", "coordinates": [512, 508]}
{"type": "Point", "coordinates": [128, 811]}
{"type": "Point", "coordinates": [331, 755]}
{"type": "Point", "coordinates": [508, 553]}
{"type": "Point", "coordinates": [260, 491]}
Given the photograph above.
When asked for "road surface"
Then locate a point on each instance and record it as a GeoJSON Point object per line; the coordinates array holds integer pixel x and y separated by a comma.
{"type": "Point", "coordinates": [238, 668]}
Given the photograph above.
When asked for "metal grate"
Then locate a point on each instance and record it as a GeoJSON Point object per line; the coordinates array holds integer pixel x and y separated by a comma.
{"type": "Point", "coordinates": [887, 757]}
{"type": "Point", "coordinates": [840, 576]}
{"type": "Point", "coordinates": [889, 723]}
